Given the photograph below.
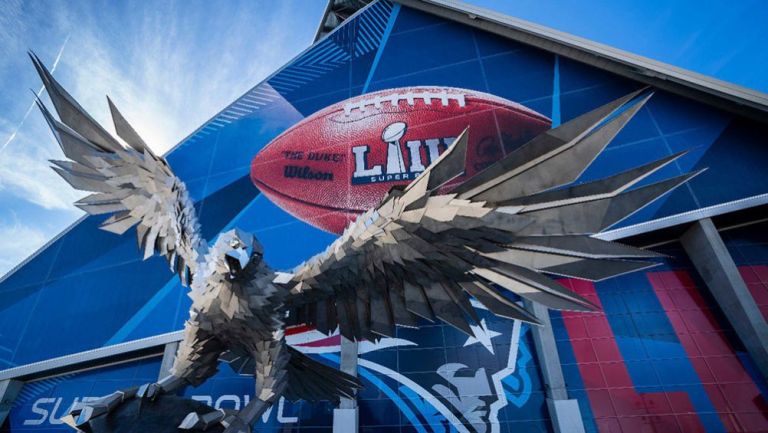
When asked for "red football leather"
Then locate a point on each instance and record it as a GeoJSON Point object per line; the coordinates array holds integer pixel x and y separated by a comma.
{"type": "Point", "coordinates": [335, 164]}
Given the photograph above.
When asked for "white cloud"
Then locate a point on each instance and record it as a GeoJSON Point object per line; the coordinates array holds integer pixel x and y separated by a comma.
{"type": "Point", "coordinates": [19, 241]}
{"type": "Point", "coordinates": [25, 170]}
{"type": "Point", "coordinates": [165, 84]}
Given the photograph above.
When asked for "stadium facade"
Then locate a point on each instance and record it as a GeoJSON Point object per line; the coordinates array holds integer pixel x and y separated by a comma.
{"type": "Point", "coordinates": [681, 347]}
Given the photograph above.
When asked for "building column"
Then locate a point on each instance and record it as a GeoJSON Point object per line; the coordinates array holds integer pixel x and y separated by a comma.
{"type": "Point", "coordinates": [564, 412]}
{"type": "Point", "coordinates": [345, 418]}
{"type": "Point", "coordinates": [9, 389]}
{"type": "Point", "coordinates": [715, 265]}
{"type": "Point", "coordinates": [169, 355]}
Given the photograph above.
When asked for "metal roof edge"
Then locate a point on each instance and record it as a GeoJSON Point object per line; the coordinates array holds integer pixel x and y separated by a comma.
{"type": "Point", "coordinates": [323, 18]}
{"type": "Point", "coordinates": [74, 360]}
{"type": "Point", "coordinates": [722, 94]}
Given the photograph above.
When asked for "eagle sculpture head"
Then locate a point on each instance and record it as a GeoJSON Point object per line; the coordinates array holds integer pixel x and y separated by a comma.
{"type": "Point", "coordinates": [238, 250]}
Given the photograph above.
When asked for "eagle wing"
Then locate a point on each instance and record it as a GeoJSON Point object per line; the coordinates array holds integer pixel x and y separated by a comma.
{"type": "Point", "coordinates": [422, 252]}
{"type": "Point", "coordinates": [131, 183]}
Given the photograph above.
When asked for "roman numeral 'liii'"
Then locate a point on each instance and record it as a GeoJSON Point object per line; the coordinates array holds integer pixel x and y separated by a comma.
{"type": "Point", "coordinates": [395, 166]}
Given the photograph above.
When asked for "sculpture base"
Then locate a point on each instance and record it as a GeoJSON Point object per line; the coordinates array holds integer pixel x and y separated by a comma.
{"type": "Point", "coordinates": [160, 416]}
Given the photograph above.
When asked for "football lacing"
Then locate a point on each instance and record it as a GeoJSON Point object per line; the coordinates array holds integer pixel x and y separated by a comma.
{"type": "Point", "coordinates": [410, 97]}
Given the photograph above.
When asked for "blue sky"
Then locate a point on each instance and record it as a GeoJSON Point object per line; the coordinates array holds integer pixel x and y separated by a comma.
{"type": "Point", "coordinates": [725, 39]}
{"type": "Point", "coordinates": [170, 65]}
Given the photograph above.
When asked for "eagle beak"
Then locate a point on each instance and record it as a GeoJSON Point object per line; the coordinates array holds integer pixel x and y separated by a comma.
{"type": "Point", "coordinates": [236, 260]}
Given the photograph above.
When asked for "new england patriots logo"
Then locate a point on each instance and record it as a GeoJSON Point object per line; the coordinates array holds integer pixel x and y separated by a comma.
{"type": "Point", "coordinates": [426, 373]}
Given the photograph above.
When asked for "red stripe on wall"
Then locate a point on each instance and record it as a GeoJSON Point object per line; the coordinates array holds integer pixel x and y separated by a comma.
{"type": "Point", "coordinates": [756, 278]}
{"type": "Point", "coordinates": [730, 388]}
{"type": "Point", "coordinates": [616, 406]}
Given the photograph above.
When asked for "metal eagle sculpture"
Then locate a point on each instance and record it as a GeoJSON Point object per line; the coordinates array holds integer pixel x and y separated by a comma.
{"type": "Point", "coordinates": [421, 253]}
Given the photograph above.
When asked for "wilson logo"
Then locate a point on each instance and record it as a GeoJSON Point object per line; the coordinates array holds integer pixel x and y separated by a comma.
{"type": "Point", "coordinates": [396, 168]}
{"type": "Point", "coordinates": [305, 172]}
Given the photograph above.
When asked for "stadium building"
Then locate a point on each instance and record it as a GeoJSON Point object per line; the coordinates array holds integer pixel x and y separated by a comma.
{"type": "Point", "coordinates": [681, 347]}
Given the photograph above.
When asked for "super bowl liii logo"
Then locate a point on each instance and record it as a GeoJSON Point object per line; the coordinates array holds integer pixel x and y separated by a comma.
{"type": "Point", "coordinates": [395, 168]}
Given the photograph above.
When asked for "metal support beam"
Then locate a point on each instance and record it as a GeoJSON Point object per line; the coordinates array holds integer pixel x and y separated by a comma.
{"type": "Point", "coordinates": [715, 265]}
{"type": "Point", "coordinates": [564, 412]}
{"type": "Point", "coordinates": [345, 418]}
{"type": "Point", "coordinates": [169, 355]}
{"type": "Point", "coordinates": [9, 389]}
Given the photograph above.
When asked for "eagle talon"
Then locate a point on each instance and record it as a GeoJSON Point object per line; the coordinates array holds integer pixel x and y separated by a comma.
{"type": "Point", "coordinates": [82, 413]}
{"type": "Point", "coordinates": [90, 412]}
{"type": "Point", "coordinates": [196, 421]}
{"type": "Point", "coordinates": [148, 392]}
